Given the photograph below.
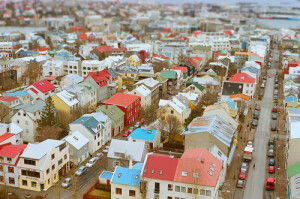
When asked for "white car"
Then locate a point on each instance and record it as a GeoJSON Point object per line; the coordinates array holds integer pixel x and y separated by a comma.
{"type": "Point", "coordinates": [99, 155]}
{"type": "Point", "coordinates": [91, 162]}
{"type": "Point", "coordinates": [105, 150]}
{"type": "Point", "coordinates": [250, 144]}
{"type": "Point", "coordinates": [66, 183]}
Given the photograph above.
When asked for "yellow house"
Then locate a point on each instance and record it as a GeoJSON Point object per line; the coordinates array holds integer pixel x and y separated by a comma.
{"type": "Point", "coordinates": [41, 165]}
{"type": "Point", "coordinates": [65, 102]}
{"type": "Point", "coordinates": [134, 60]}
{"type": "Point", "coordinates": [175, 108]}
{"type": "Point", "coordinates": [232, 112]}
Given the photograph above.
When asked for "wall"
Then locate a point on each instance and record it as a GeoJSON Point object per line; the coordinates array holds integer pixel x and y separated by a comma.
{"type": "Point", "coordinates": [125, 191]}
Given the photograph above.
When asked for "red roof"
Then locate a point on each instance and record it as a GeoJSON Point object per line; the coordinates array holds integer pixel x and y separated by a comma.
{"type": "Point", "coordinates": [7, 98]}
{"type": "Point", "coordinates": [5, 136]}
{"type": "Point", "coordinates": [43, 86]}
{"type": "Point", "coordinates": [259, 63]}
{"type": "Point", "coordinates": [10, 150]}
{"type": "Point", "coordinates": [286, 37]}
{"type": "Point", "coordinates": [101, 78]}
{"type": "Point", "coordinates": [78, 28]}
{"type": "Point", "coordinates": [83, 36]}
{"type": "Point", "coordinates": [196, 33]}
{"type": "Point", "coordinates": [157, 163]}
{"type": "Point", "coordinates": [242, 78]}
{"type": "Point", "coordinates": [110, 49]}
{"type": "Point", "coordinates": [197, 58]}
{"type": "Point", "coordinates": [51, 77]}
{"type": "Point", "coordinates": [228, 32]}
{"type": "Point", "coordinates": [43, 49]}
{"type": "Point", "coordinates": [161, 56]}
{"type": "Point", "coordinates": [122, 99]}
{"type": "Point", "coordinates": [183, 69]}
{"type": "Point", "coordinates": [199, 162]}
{"type": "Point", "coordinates": [192, 61]}
{"type": "Point", "coordinates": [33, 90]}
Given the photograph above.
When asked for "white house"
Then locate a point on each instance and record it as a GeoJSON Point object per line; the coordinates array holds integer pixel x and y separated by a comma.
{"type": "Point", "coordinates": [41, 89]}
{"type": "Point", "coordinates": [70, 79]}
{"type": "Point", "coordinates": [10, 133]}
{"type": "Point", "coordinates": [53, 68]}
{"type": "Point", "coordinates": [145, 95]}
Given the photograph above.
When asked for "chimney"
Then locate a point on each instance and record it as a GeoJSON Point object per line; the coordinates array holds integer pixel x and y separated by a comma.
{"type": "Point", "coordinates": [202, 160]}
{"type": "Point", "coordinates": [31, 102]}
{"type": "Point", "coordinates": [97, 73]}
{"type": "Point", "coordinates": [130, 163]}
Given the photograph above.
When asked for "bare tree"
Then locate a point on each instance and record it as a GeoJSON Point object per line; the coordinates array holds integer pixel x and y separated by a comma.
{"type": "Point", "coordinates": [149, 114]}
{"type": "Point", "coordinates": [159, 66]}
{"type": "Point", "coordinates": [209, 98]}
{"type": "Point", "coordinates": [173, 126]}
{"type": "Point", "coordinates": [31, 74]}
{"type": "Point", "coordinates": [49, 132]}
{"type": "Point", "coordinates": [4, 111]}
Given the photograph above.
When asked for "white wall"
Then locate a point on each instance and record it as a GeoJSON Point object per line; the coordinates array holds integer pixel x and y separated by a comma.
{"type": "Point", "coordinates": [125, 191]}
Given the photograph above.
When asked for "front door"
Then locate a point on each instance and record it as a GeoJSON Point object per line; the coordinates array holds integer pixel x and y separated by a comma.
{"type": "Point", "coordinates": [42, 186]}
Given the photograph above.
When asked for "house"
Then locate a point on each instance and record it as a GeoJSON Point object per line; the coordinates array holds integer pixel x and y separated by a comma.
{"type": "Point", "coordinates": [92, 129]}
{"type": "Point", "coordinates": [70, 80]}
{"type": "Point", "coordinates": [153, 85]}
{"type": "Point", "coordinates": [191, 97]}
{"type": "Point", "coordinates": [197, 174]}
{"type": "Point", "coordinates": [249, 83]}
{"type": "Point", "coordinates": [171, 77]}
{"type": "Point", "coordinates": [9, 158]}
{"type": "Point", "coordinates": [194, 87]}
{"type": "Point", "coordinates": [145, 94]}
{"type": "Point", "coordinates": [26, 116]}
{"type": "Point", "coordinates": [206, 50]}
{"type": "Point", "coordinates": [134, 60]}
{"type": "Point", "coordinates": [23, 96]}
{"type": "Point", "coordinates": [129, 104]}
{"type": "Point", "coordinates": [150, 136]}
{"type": "Point", "coordinates": [91, 93]}
{"type": "Point", "coordinates": [182, 69]}
{"type": "Point", "coordinates": [207, 131]}
{"type": "Point", "coordinates": [232, 88]}
{"type": "Point", "coordinates": [163, 88]}
{"type": "Point", "coordinates": [53, 68]}
{"type": "Point", "coordinates": [293, 181]}
{"type": "Point", "coordinates": [223, 114]}
{"type": "Point", "coordinates": [10, 102]}
{"type": "Point", "coordinates": [122, 152]}
{"type": "Point", "coordinates": [78, 147]}
{"type": "Point", "coordinates": [241, 57]}
{"type": "Point", "coordinates": [117, 117]}
{"type": "Point", "coordinates": [43, 164]}
{"type": "Point", "coordinates": [209, 83]}
{"type": "Point", "coordinates": [41, 89]}
{"type": "Point", "coordinates": [65, 102]}
{"type": "Point", "coordinates": [292, 146]}
{"type": "Point", "coordinates": [97, 53]}
{"type": "Point", "coordinates": [10, 133]}
{"type": "Point", "coordinates": [125, 182]}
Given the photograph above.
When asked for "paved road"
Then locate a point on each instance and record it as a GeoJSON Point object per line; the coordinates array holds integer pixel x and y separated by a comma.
{"type": "Point", "coordinates": [255, 186]}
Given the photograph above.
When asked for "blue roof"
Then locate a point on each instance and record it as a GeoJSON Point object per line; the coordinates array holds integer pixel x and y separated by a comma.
{"type": "Point", "coordinates": [18, 94]}
{"type": "Point", "coordinates": [230, 102]}
{"type": "Point", "coordinates": [88, 121]}
{"type": "Point", "coordinates": [291, 99]}
{"type": "Point", "coordinates": [250, 69]}
{"type": "Point", "coordinates": [128, 176]}
{"type": "Point", "coordinates": [106, 175]}
{"type": "Point", "coordinates": [142, 134]}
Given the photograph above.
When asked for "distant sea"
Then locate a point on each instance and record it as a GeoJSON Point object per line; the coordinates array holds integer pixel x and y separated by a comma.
{"type": "Point", "coordinates": [23, 29]}
{"type": "Point", "coordinates": [276, 23]}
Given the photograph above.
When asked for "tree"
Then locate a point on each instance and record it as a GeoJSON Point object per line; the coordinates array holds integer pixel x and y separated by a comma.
{"type": "Point", "coordinates": [209, 98]}
{"type": "Point", "coordinates": [49, 132]}
{"type": "Point", "coordinates": [102, 56]}
{"type": "Point", "coordinates": [198, 111]}
{"type": "Point", "coordinates": [181, 58]}
{"type": "Point", "coordinates": [159, 66]}
{"type": "Point", "coordinates": [4, 111]}
{"type": "Point", "coordinates": [232, 70]}
{"type": "Point", "coordinates": [173, 126]}
{"type": "Point", "coordinates": [31, 74]}
{"type": "Point", "coordinates": [48, 115]}
{"type": "Point", "coordinates": [149, 114]}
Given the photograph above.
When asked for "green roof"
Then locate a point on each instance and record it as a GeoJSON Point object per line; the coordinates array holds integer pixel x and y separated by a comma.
{"type": "Point", "coordinates": [202, 48]}
{"type": "Point", "coordinates": [112, 111]}
{"type": "Point", "coordinates": [169, 74]}
{"type": "Point", "coordinates": [196, 84]}
{"type": "Point", "coordinates": [294, 169]}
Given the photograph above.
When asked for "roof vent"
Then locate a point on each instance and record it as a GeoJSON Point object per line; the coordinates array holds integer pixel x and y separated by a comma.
{"type": "Point", "coordinates": [145, 170]}
{"type": "Point", "coordinates": [137, 176]}
{"type": "Point", "coordinates": [297, 182]}
{"type": "Point", "coordinates": [212, 169]}
{"type": "Point", "coordinates": [242, 78]}
{"type": "Point", "coordinates": [120, 174]}
{"type": "Point", "coordinates": [152, 171]}
{"type": "Point", "coordinates": [202, 160]}
{"type": "Point", "coordinates": [184, 173]}
{"type": "Point", "coordinates": [149, 131]}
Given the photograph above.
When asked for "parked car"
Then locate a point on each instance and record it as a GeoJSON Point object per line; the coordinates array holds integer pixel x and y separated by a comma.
{"type": "Point", "coordinates": [276, 86]}
{"type": "Point", "coordinates": [91, 162]}
{"type": "Point", "coordinates": [240, 183]}
{"type": "Point", "coordinates": [99, 155]}
{"type": "Point", "coordinates": [274, 109]}
{"type": "Point", "coordinates": [261, 93]}
{"type": "Point", "coordinates": [257, 107]}
{"type": "Point", "coordinates": [264, 81]}
{"type": "Point", "coordinates": [244, 166]}
{"type": "Point", "coordinates": [242, 175]}
{"type": "Point", "coordinates": [80, 171]}
{"type": "Point", "coordinates": [126, 133]}
{"type": "Point", "coordinates": [142, 121]}
{"type": "Point", "coordinates": [271, 153]}
{"type": "Point", "coordinates": [271, 146]}
{"type": "Point", "coordinates": [271, 141]}
{"type": "Point", "coordinates": [256, 114]}
{"type": "Point", "coordinates": [271, 169]}
{"type": "Point", "coordinates": [271, 162]}
{"type": "Point", "coordinates": [137, 125]}
{"type": "Point", "coordinates": [274, 116]}
{"type": "Point", "coordinates": [273, 127]}
{"type": "Point", "coordinates": [270, 184]}
{"type": "Point", "coordinates": [275, 97]}
{"type": "Point", "coordinates": [269, 76]}
{"type": "Point", "coordinates": [66, 183]}
{"type": "Point", "coordinates": [262, 85]}
{"type": "Point", "coordinates": [275, 92]}
{"type": "Point", "coordinates": [105, 150]}
{"type": "Point", "coordinates": [250, 144]}
{"type": "Point", "coordinates": [265, 77]}
{"type": "Point", "coordinates": [254, 122]}
{"type": "Point", "coordinates": [131, 129]}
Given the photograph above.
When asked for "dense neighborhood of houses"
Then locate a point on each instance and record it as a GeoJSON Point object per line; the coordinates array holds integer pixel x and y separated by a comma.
{"type": "Point", "coordinates": [157, 98]}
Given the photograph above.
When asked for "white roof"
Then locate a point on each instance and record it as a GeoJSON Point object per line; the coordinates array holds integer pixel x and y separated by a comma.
{"type": "Point", "coordinates": [77, 140]}
{"type": "Point", "coordinates": [190, 95]}
{"type": "Point", "coordinates": [74, 78]}
{"type": "Point", "coordinates": [253, 64]}
{"type": "Point", "coordinates": [135, 58]}
{"type": "Point", "coordinates": [295, 133]}
{"type": "Point", "coordinates": [67, 97]}
{"type": "Point", "coordinates": [175, 104]}
{"type": "Point", "coordinates": [148, 82]}
{"type": "Point", "coordinates": [39, 58]}
{"type": "Point", "coordinates": [129, 148]}
{"type": "Point", "coordinates": [15, 129]}
{"type": "Point", "coordinates": [99, 116]}
{"type": "Point", "coordinates": [143, 90]}
{"type": "Point", "coordinates": [205, 81]}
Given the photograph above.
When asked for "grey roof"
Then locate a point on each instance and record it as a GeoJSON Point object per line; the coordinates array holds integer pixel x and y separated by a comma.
{"type": "Point", "coordinates": [32, 106]}
{"type": "Point", "coordinates": [77, 140]}
{"type": "Point", "coordinates": [88, 121]}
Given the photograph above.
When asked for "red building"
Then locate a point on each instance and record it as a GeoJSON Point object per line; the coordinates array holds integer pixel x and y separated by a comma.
{"type": "Point", "coordinates": [291, 63]}
{"type": "Point", "coordinates": [129, 104]}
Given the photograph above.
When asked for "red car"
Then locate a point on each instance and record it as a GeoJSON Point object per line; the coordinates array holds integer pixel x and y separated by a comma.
{"type": "Point", "coordinates": [126, 133]}
{"type": "Point", "coordinates": [271, 169]}
{"type": "Point", "coordinates": [270, 185]}
{"type": "Point", "coordinates": [269, 76]}
{"type": "Point", "coordinates": [257, 107]}
{"type": "Point", "coordinates": [242, 175]}
{"type": "Point", "coordinates": [142, 121]}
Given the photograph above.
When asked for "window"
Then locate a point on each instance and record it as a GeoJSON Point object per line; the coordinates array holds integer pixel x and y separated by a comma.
{"type": "Point", "coordinates": [116, 163]}
{"type": "Point", "coordinates": [195, 191]}
{"type": "Point", "coordinates": [65, 156]}
{"type": "Point", "coordinates": [208, 192]}
{"type": "Point", "coordinates": [95, 137]}
{"type": "Point", "coordinates": [24, 114]}
{"type": "Point", "coordinates": [53, 166]}
{"type": "Point", "coordinates": [1, 168]}
{"type": "Point", "coordinates": [11, 180]}
{"type": "Point", "coordinates": [190, 190]}
{"type": "Point", "coordinates": [98, 143]}
{"type": "Point", "coordinates": [33, 184]}
{"type": "Point", "coordinates": [47, 171]}
{"type": "Point", "coordinates": [26, 122]}
{"type": "Point", "coordinates": [132, 193]}
{"type": "Point", "coordinates": [202, 192]}
{"type": "Point", "coordinates": [19, 113]}
{"type": "Point", "coordinates": [24, 182]}
{"type": "Point", "coordinates": [169, 197]}
{"type": "Point", "coordinates": [156, 187]}
{"type": "Point", "coordinates": [172, 112]}
{"type": "Point", "coordinates": [152, 171]}
{"type": "Point", "coordinates": [60, 161]}
{"type": "Point", "coordinates": [18, 121]}
{"type": "Point", "coordinates": [30, 173]}
{"type": "Point", "coordinates": [9, 159]}
{"type": "Point", "coordinates": [183, 189]}
{"type": "Point", "coordinates": [119, 191]}
{"type": "Point", "coordinates": [30, 162]}
{"type": "Point", "coordinates": [49, 181]}
{"type": "Point", "coordinates": [220, 153]}
{"type": "Point", "coordinates": [177, 188]}
{"type": "Point", "coordinates": [10, 170]}
{"type": "Point", "coordinates": [1, 179]}
{"type": "Point", "coordinates": [170, 187]}
{"type": "Point", "coordinates": [52, 156]}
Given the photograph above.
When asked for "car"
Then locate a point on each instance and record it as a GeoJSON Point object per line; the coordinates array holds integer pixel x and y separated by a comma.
{"type": "Point", "coordinates": [276, 86]}
{"type": "Point", "coordinates": [142, 121]}
{"type": "Point", "coordinates": [250, 144]}
{"type": "Point", "coordinates": [261, 93]}
{"type": "Point", "coordinates": [271, 141]}
{"type": "Point", "coordinates": [271, 153]}
{"type": "Point", "coordinates": [244, 166]}
{"type": "Point", "coordinates": [91, 162]}
{"type": "Point", "coordinates": [240, 183]}
{"type": "Point", "coordinates": [271, 169]}
{"type": "Point", "coordinates": [262, 85]}
{"type": "Point", "coordinates": [264, 81]}
{"type": "Point", "coordinates": [137, 125]}
{"type": "Point", "coordinates": [66, 183]}
{"type": "Point", "coordinates": [274, 109]}
{"type": "Point", "coordinates": [265, 77]}
{"type": "Point", "coordinates": [126, 133]}
{"type": "Point", "coordinates": [276, 92]}
{"type": "Point", "coordinates": [106, 149]}
{"type": "Point", "coordinates": [273, 127]}
{"type": "Point", "coordinates": [254, 122]}
{"type": "Point", "coordinates": [242, 175]}
{"type": "Point", "coordinates": [274, 116]}
{"type": "Point", "coordinates": [131, 129]}
{"type": "Point", "coordinates": [80, 171]}
{"type": "Point", "coordinates": [99, 155]}
{"type": "Point", "coordinates": [269, 76]}
{"type": "Point", "coordinates": [270, 184]}
{"type": "Point", "coordinates": [256, 114]}
{"type": "Point", "coordinates": [257, 107]}
{"type": "Point", "coordinates": [271, 162]}
{"type": "Point", "coordinates": [275, 97]}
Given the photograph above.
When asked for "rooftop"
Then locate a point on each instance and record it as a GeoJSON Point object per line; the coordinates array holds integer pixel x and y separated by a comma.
{"type": "Point", "coordinates": [122, 99]}
{"type": "Point", "coordinates": [143, 134]}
